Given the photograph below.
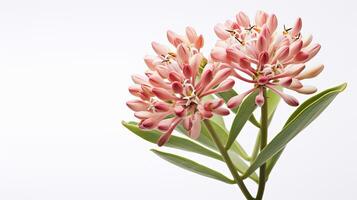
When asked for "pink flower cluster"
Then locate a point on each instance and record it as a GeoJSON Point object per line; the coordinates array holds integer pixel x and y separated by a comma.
{"type": "Point", "coordinates": [267, 57]}
{"type": "Point", "coordinates": [173, 91]}
{"type": "Point", "coordinates": [176, 88]}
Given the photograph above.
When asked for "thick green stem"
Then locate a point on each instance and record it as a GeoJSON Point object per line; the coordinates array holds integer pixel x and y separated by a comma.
{"type": "Point", "coordinates": [264, 138]}
{"type": "Point", "coordinates": [228, 160]}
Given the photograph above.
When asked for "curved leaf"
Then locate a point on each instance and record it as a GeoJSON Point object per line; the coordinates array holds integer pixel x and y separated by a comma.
{"type": "Point", "coordinates": [301, 118]}
{"type": "Point", "coordinates": [192, 166]}
{"type": "Point", "coordinates": [244, 112]}
{"type": "Point", "coordinates": [174, 141]}
{"type": "Point", "coordinates": [236, 152]}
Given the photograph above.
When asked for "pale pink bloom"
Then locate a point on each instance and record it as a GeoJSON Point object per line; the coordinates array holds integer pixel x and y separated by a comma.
{"type": "Point", "coordinates": [265, 56]}
{"type": "Point", "coordinates": [173, 91]}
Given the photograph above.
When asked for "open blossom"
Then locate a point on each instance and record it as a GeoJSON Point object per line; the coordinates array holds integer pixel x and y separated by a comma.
{"type": "Point", "coordinates": [265, 56]}
{"type": "Point", "coordinates": [173, 91]}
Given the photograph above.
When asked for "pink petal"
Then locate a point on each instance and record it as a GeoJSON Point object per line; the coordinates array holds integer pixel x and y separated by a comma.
{"type": "Point", "coordinates": [137, 105]}
{"type": "Point", "coordinates": [310, 73]}
{"type": "Point", "coordinates": [160, 49]}
{"type": "Point", "coordinates": [199, 42]}
{"type": "Point", "coordinates": [260, 18]}
{"type": "Point", "coordinates": [174, 76]}
{"type": "Point", "coordinates": [183, 53]}
{"type": "Point", "coordinates": [295, 47]}
{"type": "Point", "coordinates": [281, 54]}
{"type": "Point", "coordinates": [221, 111]}
{"type": "Point", "coordinates": [306, 90]}
{"type": "Point", "coordinates": [259, 99]}
{"type": "Point", "coordinates": [191, 34]}
{"type": "Point", "coordinates": [177, 87]}
{"type": "Point", "coordinates": [262, 43]}
{"type": "Point", "coordinates": [237, 100]}
{"type": "Point", "coordinates": [161, 106]}
{"type": "Point", "coordinates": [272, 23]}
{"type": "Point", "coordinates": [220, 31]}
{"type": "Point", "coordinates": [243, 19]}
{"type": "Point", "coordinates": [149, 61]}
{"type": "Point", "coordinates": [219, 77]}
{"type": "Point", "coordinates": [179, 111]}
{"type": "Point", "coordinates": [196, 126]}
{"type": "Point", "coordinates": [301, 56]}
{"type": "Point", "coordinates": [307, 41]}
{"type": "Point", "coordinates": [297, 27]}
{"type": "Point", "coordinates": [171, 36]}
{"type": "Point", "coordinates": [138, 79]}
{"type": "Point", "coordinates": [163, 94]}
{"type": "Point", "coordinates": [292, 101]}
{"type": "Point", "coordinates": [219, 54]}
{"type": "Point", "coordinates": [166, 136]}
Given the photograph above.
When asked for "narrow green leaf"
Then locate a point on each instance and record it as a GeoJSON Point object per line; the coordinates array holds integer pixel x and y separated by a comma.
{"type": "Point", "coordinates": [273, 101]}
{"type": "Point", "coordinates": [192, 166]}
{"type": "Point", "coordinates": [272, 161]}
{"type": "Point", "coordinates": [231, 93]}
{"type": "Point", "coordinates": [241, 166]}
{"type": "Point", "coordinates": [174, 141]}
{"type": "Point", "coordinates": [236, 152]}
{"type": "Point", "coordinates": [301, 118]}
{"type": "Point", "coordinates": [245, 110]}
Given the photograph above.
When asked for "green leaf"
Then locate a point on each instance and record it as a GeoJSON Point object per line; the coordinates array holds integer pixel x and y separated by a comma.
{"type": "Point", "coordinates": [244, 111]}
{"type": "Point", "coordinates": [174, 141]}
{"type": "Point", "coordinates": [236, 152]}
{"type": "Point", "coordinates": [192, 166]}
{"type": "Point", "coordinates": [272, 161]}
{"type": "Point", "coordinates": [301, 118]}
{"type": "Point", "coordinates": [228, 95]}
{"type": "Point", "coordinates": [273, 101]}
{"type": "Point", "coordinates": [241, 166]}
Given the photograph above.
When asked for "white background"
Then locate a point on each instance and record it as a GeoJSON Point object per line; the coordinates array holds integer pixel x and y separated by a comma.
{"type": "Point", "coordinates": [64, 71]}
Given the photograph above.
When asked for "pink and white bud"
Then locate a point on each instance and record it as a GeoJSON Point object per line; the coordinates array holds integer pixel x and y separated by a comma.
{"type": "Point", "coordinates": [237, 100]}
{"type": "Point", "coordinates": [163, 94]}
{"type": "Point", "coordinates": [297, 27]}
{"type": "Point", "coordinates": [150, 61]}
{"type": "Point", "coordinates": [259, 99]}
{"type": "Point", "coordinates": [196, 126]}
{"type": "Point", "coordinates": [221, 111]}
{"type": "Point", "coordinates": [177, 87]}
{"type": "Point", "coordinates": [292, 101]}
{"type": "Point", "coordinates": [221, 32]}
{"type": "Point", "coordinates": [191, 34]}
{"type": "Point", "coordinates": [199, 42]}
{"type": "Point", "coordinates": [307, 41]}
{"type": "Point", "coordinates": [306, 90]}
{"type": "Point", "coordinates": [171, 37]}
{"type": "Point", "coordinates": [160, 49]}
{"type": "Point", "coordinates": [219, 54]}
{"type": "Point", "coordinates": [261, 18]}
{"type": "Point", "coordinates": [183, 54]}
{"type": "Point", "coordinates": [243, 19]}
{"type": "Point", "coordinates": [137, 105]}
{"type": "Point", "coordinates": [310, 73]}
{"type": "Point", "coordinates": [272, 23]}
{"type": "Point", "coordinates": [161, 106]}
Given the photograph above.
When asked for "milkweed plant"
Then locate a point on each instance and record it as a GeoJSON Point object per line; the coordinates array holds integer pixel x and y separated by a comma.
{"type": "Point", "coordinates": [190, 93]}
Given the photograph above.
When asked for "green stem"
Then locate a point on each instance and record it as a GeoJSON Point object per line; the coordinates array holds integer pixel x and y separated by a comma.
{"type": "Point", "coordinates": [228, 160]}
{"type": "Point", "coordinates": [264, 138]}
